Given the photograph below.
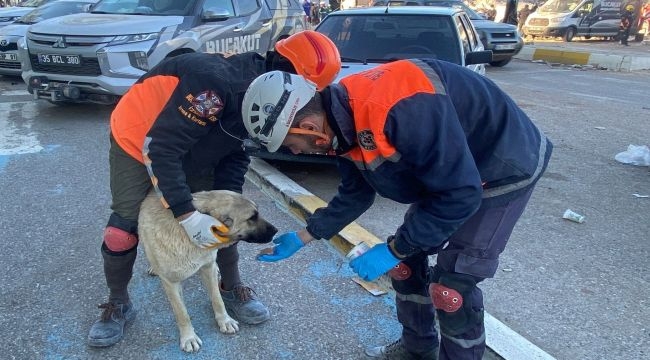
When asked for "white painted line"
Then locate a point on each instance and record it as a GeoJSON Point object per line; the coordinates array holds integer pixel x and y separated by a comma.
{"type": "Point", "coordinates": [499, 337]}
{"type": "Point", "coordinates": [16, 137]}
{"type": "Point", "coordinates": [509, 344]}
{"type": "Point", "coordinates": [15, 93]}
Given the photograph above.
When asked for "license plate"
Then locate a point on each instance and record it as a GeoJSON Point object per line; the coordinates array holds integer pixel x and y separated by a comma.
{"type": "Point", "coordinates": [9, 56]}
{"type": "Point", "coordinates": [54, 59]}
{"type": "Point", "coordinates": [505, 47]}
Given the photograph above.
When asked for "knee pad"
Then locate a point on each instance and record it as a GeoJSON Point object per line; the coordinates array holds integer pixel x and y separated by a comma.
{"type": "Point", "coordinates": [118, 240]}
{"type": "Point", "coordinates": [458, 303]}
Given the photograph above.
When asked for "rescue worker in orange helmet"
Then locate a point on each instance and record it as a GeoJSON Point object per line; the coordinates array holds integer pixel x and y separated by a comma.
{"type": "Point", "coordinates": [179, 130]}
{"type": "Point", "coordinates": [427, 133]}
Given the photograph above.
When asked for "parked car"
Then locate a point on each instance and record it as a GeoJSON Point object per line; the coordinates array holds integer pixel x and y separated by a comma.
{"type": "Point", "coordinates": [10, 35]}
{"type": "Point", "coordinates": [96, 57]}
{"type": "Point", "coordinates": [10, 14]}
{"type": "Point", "coordinates": [587, 18]}
{"type": "Point", "coordinates": [503, 39]}
{"type": "Point", "coordinates": [367, 37]}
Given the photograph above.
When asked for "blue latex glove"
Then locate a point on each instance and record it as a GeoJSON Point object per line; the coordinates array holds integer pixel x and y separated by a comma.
{"type": "Point", "coordinates": [374, 262]}
{"type": "Point", "coordinates": [286, 245]}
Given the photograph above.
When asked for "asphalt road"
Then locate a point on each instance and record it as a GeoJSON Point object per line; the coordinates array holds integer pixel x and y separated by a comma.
{"type": "Point", "coordinates": [578, 291]}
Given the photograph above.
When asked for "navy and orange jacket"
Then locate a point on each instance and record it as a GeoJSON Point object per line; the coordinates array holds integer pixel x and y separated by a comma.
{"type": "Point", "coordinates": [431, 134]}
{"type": "Point", "coordinates": [176, 118]}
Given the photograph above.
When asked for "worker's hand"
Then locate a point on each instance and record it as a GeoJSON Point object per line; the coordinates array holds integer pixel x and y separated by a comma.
{"type": "Point", "coordinates": [204, 230]}
{"type": "Point", "coordinates": [286, 245]}
{"type": "Point", "coordinates": [374, 262]}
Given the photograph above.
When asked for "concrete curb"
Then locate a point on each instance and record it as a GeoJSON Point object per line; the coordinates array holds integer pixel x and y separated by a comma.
{"type": "Point", "coordinates": [301, 203]}
{"type": "Point", "coordinates": [598, 60]}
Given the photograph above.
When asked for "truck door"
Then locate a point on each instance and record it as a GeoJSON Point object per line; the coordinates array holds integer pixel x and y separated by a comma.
{"type": "Point", "coordinates": [604, 18]}
{"type": "Point", "coordinates": [588, 17]}
{"type": "Point", "coordinates": [229, 26]}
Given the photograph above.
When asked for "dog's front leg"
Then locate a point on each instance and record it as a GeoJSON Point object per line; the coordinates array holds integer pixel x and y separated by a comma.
{"type": "Point", "coordinates": [189, 341]}
{"type": "Point", "coordinates": [210, 277]}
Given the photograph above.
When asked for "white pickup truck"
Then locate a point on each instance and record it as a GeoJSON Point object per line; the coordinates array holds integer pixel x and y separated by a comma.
{"type": "Point", "coordinates": [96, 57]}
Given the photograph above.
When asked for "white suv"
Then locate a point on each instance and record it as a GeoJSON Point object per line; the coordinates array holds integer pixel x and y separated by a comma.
{"type": "Point", "coordinates": [97, 56]}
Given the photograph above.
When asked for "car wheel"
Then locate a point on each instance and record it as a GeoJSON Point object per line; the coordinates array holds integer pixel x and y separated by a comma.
{"type": "Point", "coordinates": [569, 34]}
{"type": "Point", "coordinates": [500, 63]}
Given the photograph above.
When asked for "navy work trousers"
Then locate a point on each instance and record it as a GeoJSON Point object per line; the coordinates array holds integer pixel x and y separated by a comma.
{"type": "Point", "coordinates": [472, 250]}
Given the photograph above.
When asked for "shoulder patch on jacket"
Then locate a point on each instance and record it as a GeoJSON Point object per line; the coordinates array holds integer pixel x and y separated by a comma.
{"type": "Point", "coordinates": [206, 104]}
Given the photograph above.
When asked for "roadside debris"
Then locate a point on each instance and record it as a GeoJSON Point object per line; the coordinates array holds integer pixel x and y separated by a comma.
{"type": "Point", "coordinates": [599, 127]}
{"type": "Point", "coordinates": [634, 155]}
{"type": "Point", "coordinates": [573, 216]}
{"type": "Point", "coordinates": [641, 196]}
{"type": "Point", "coordinates": [372, 288]}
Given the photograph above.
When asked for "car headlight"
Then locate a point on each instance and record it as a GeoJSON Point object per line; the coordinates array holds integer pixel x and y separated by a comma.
{"type": "Point", "coordinates": [9, 18]}
{"type": "Point", "coordinates": [556, 20]}
{"type": "Point", "coordinates": [127, 39]}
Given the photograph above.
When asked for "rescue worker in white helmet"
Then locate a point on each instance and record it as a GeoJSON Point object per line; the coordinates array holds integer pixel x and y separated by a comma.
{"type": "Point", "coordinates": [179, 130]}
{"type": "Point", "coordinates": [423, 132]}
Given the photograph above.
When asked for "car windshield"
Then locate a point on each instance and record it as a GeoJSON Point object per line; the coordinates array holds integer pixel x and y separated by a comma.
{"type": "Point", "coordinates": [54, 9]}
{"type": "Point", "coordinates": [377, 38]}
{"type": "Point", "coordinates": [144, 7]}
{"type": "Point", "coordinates": [558, 6]}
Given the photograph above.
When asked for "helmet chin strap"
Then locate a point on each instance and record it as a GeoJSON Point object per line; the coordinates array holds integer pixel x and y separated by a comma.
{"type": "Point", "coordinates": [309, 132]}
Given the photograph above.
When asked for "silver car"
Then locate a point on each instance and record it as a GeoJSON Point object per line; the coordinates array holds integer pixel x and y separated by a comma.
{"type": "Point", "coordinates": [11, 34]}
{"type": "Point", "coordinates": [96, 57]}
{"type": "Point", "coordinates": [10, 14]}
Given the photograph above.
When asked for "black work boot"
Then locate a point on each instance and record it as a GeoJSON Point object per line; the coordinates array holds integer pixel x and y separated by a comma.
{"type": "Point", "coordinates": [241, 304]}
{"type": "Point", "coordinates": [397, 351]}
{"type": "Point", "coordinates": [109, 329]}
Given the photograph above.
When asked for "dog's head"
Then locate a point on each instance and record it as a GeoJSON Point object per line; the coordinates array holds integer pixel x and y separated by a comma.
{"type": "Point", "coordinates": [239, 214]}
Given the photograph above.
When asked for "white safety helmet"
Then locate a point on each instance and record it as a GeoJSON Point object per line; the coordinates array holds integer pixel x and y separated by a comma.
{"type": "Point", "coordinates": [271, 103]}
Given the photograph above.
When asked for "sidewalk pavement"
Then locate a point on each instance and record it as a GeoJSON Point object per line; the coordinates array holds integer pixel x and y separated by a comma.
{"type": "Point", "coordinates": [503, 343]}
{"type": "Point", "coordinates": [600, 54]}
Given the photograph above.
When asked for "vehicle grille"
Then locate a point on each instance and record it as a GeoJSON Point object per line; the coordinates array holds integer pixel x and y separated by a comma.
{"type": "Point", "coordinates": [9, 46]}
{"type": "Point", "coordinates": [89, 66]}
{"type": "Point", "coordinates": [538, 22]}
{"type": "Point", "coordinates": [9, 65]}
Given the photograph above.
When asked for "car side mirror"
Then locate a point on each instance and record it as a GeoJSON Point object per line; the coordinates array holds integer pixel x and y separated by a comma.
{"type": "Point", "coordinates": [478, 57]}
{"type": "Point", "coordinates": [215, 14]}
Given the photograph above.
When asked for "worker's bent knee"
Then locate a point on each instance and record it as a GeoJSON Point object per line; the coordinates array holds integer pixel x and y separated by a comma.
{"type": "Point", "coordinates": [118, 240]}
{"type": "Point", "coordinates": [458, 303]}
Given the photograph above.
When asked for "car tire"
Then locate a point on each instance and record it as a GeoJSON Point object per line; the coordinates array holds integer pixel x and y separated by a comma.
{"type": "Point", "coordinates": [569, 34]}
{"type": "Point", "coordinates": [500, 63]}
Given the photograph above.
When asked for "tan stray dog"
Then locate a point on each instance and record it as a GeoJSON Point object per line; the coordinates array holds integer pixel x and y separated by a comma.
{"type": "Point", "coordinates": [174, 258]}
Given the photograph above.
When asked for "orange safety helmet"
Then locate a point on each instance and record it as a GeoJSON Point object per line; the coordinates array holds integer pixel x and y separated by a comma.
{"type": "Point", "coordinates": [313, 55]}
